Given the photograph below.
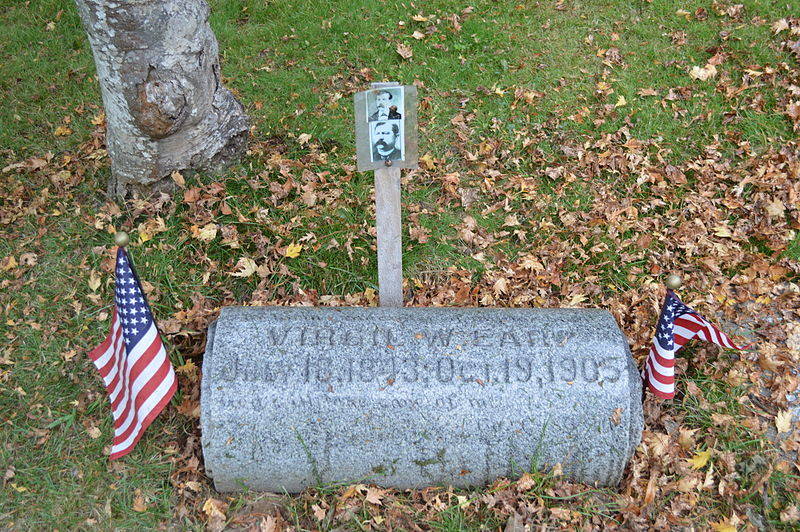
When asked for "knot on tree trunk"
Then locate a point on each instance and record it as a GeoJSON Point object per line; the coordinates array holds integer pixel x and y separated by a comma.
{"type": "Point", "coordinates": [160, 107]}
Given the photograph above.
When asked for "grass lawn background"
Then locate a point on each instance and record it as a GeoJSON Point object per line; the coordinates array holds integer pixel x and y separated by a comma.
{"type": "Point", "coordinates": [568, 159]}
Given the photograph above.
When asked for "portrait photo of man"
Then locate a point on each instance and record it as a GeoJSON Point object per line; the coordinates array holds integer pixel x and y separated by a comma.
{"type": "Point", "coordinates": [386, 104]}
{"type": "Point", "coordinates": [387, 141]}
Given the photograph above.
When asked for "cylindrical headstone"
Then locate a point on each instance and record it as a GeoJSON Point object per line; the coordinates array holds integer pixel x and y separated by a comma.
{"type": "Point", "coordinates": [411, 397]}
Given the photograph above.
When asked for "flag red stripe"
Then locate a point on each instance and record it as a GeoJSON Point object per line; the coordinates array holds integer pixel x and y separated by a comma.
{"type": "Point", "coordinates": [659, 393]}
{"type": "Point", "coordinates": [98, 351]}
{"type": "Point", "coordinates": [663, 379]}
{"type": "Point", "coordinates": [114, 359]}
{"type": "Point", "coordinates": [666, 362]}
{"type": "Point", "coordinates": [136, 370]}
{"type": "Point", "coordinates": [147, 421]}
{"type": "Point", "coordinates": [151, 352]}
{"type": "Point", "coordinates": [143, 396]}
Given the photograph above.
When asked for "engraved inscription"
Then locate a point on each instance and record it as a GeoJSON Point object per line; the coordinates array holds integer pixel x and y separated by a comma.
{"type": "Point", "coordinates": [397, 370]}
{"type": "Point", "coordinates": [376, 336]}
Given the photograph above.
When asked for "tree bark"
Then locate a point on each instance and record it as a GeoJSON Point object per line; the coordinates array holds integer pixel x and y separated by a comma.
{"type": "Point", "coordinates": [166, 108]}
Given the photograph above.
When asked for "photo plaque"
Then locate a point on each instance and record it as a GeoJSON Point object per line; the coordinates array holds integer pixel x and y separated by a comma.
{"type": "Point", "coordinates": [386, 127]}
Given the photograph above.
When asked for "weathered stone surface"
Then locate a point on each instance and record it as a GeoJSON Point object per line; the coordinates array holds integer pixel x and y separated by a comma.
{"type": "Point", "coordinates": [411, 397]}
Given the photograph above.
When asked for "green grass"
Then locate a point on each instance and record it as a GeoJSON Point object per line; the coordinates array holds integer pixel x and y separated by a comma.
{"type": "Point", "coordinates": [295, 66]}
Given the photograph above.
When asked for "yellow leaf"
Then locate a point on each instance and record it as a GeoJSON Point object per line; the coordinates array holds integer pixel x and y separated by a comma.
{"type": "Point", "coordinates": [62, 131]}
{"type": "Point", "coordinates": [189, 368]}
{"type": "Point", "coordinates": [723, 526]}
{"type": "Point", "coordinates": [621, 102]}
{"type": "Point", "coordinates": [94, 281]}
{"type": "Point", "coordinates": [214, 509]}
{"type": "Point", "coordinates": [783, 421]}
{"type": "Point", "coordinates": [427, 161]}
{"type": "Point", "coordinates": [348, 493]}
{"type": "Point", "coordinates": [8, 263]}
{"type": "Point", "coordinates": [293, 250]}
{"type": "Point", "coordinates": [700, 459]}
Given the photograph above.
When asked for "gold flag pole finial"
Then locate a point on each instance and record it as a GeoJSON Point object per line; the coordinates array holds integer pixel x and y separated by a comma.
{"type": "Point", "coordinates": [121, 239]}
{"type": "Point", "coordinates": [673, 281]}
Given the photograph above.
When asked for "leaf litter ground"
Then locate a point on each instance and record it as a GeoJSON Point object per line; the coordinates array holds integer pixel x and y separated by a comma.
{"type": "Point", "coordinates": [572, 155]}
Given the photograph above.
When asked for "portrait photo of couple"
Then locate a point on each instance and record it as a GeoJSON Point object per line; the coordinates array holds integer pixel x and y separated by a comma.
{"type": "Point", "coordinates": [385, 118]}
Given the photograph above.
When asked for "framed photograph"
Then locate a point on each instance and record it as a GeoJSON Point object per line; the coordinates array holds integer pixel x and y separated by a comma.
{"type": "Point", "coordinates": [386, 127]}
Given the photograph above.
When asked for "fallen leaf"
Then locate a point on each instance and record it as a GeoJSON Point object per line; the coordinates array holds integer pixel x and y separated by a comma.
{"type": "Point", "coordinates": [703, 73]}
{"type": "Point", "coordinates": [215, 510]}
{"type": "Point", "coordinates": [405, 51]}
{"type": "Point", "coordinates": [783, 421]}
{"type": "Point", "coordinates": [780, 25]}
{"type": "Point", "coordinates": [8, 263]}
{"type": "Point", "coordinates": [790, 514]}
{"type": "Point", "coordinates": [244, 268]}
{"type": "Point", "coordinates": [621, 101]}
{"type": "Point", "coordinates": [374, 496]}
{"type": "Point", "coordinates": [207, 233]}
{"type": "Point", "coordinates": [319, 512]}
{"type": "Point", "coordinates": [62, 131]}
{"type": "Point", "coordinates": [94, 281]}
{"type": "Point", "coordinates": [700, 459]}
{"type": "Point", "coordinates": [418, 35]}
{"type": "Point", "coordinates": [139, 504]}
{"type": "Point", "coordinates": [525, 482]}
{"type": "Point", "coordinates": [776, 208]}
{"type": "Point", "coordinates": [177, 177]}
{"type": "Point", "coordinates": [293, 250]}
{"type": "Point", "coordinates": [723, 526]}
{"type": "Point", "coordinates": [189, 369]}
{"type": "Point", "coordinates": [94, 432]}
{"type": "Point", "coordinates": [349, 492]}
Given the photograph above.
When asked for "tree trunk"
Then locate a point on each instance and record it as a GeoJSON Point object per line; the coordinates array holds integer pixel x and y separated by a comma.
{"type": "Point", "coordinates": [166, 109]}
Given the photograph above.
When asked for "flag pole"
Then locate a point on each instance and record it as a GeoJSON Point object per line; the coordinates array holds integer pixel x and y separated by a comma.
{"type": "Point", "coordinates": [121, 239]}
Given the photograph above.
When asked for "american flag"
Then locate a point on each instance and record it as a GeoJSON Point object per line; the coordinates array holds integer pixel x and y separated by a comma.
{"type": "Point", "coordinates": [132, 360]}
{"type": "Point", "coordinates": [677, 325]}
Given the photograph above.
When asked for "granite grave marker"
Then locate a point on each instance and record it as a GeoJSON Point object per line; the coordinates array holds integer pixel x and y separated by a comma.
{"type": "Point", "coordinates": [411, 397]}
